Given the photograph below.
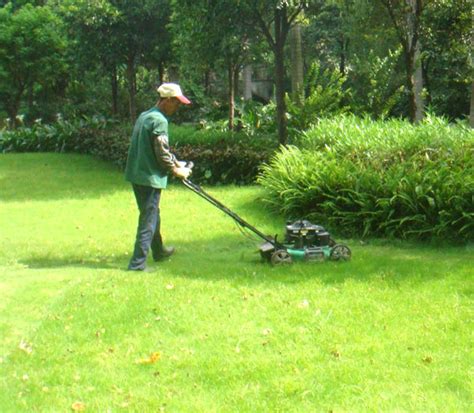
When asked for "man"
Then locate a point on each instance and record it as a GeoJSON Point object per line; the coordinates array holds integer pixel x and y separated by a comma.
{"type": "Point", "coordinates": [149, 163]}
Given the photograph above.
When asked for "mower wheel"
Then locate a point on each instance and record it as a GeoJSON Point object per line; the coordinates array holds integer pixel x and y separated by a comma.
{"type": "Point", "coordinates": [340, 252]}
{"type": "Point", "coordinates": [280, 257]}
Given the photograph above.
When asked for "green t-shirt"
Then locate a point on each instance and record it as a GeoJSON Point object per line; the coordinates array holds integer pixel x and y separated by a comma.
{"type": "Point", "coordinates": [142, 167]}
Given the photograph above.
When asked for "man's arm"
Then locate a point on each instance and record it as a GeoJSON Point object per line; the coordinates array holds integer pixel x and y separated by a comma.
{"type": "Point", "coordinates": [167, 159]}
{"type": "Point", "coordinates": [163, 154]}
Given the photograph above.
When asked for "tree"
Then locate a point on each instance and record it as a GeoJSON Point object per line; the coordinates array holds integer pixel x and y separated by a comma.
{"type": "Point", "coordinates": [120, 33]}
{"type": "Point", "coordinates": [332, 23]}
{"type": "Point", "coordinates": [142, 34]}
{"type": "Point", "coordinates": [471, 117]}
{"type": "Point", "coordinates": [200, 23]}
{"type": "Point", "coordinates": [274, 18]}
{"type": "Point", "coordinates": [18, 4]}
{"type": "Point", "coordinates": [92, 27]}
{"type": "Point", "coordinates": [356, 38]}
{"type": "Point", "coordinates": [31, 53]}
{"type": "Point", "coordinates": [447, 51]}
{"type": "Point", "coordinates": [406, 18]}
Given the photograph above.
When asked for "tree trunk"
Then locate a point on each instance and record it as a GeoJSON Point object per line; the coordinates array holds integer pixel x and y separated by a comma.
{"type": "Point", "coordinates": [231, 92]}
{"type": "Point", "coordinates": [418, 86]}
{"type": "Point", "coordinates": [12, 121]}
{"type": "Point", "coordinates": [471, 115]}
{"type": "Point", "coordinates": [297, 72]}
{"type": "Point", "coordinates": [414, 72]}
{"type": "Point", "coordinates": [114, 87]}
{"type": "Point", "coordinates": [132, 87]}
{"type": "Point", "coordinates": [161, 72]}
{"type": "Point", "coordinates": [207, 82]}
{"type": "Point", "coordinates": [247, 82]}
{"type": "Point", "coordinates": [344, 44]}
{"type": "Point", "coordinates": [410, 84]}
{"type": "Point", "coordinates": [13, 107]}
{"type": "Point", "coordinates": [30, 103]}
{"type": "Point", "coordinates": [280, 17]}
{"type": "Point", "coordinates": [281, 25]}
{"type": "Point", "coordinates": [426, 81]}
{"type": "Point", "coordinates": [407, 24]}
{"type": "Point", "coordinates": [236, 73]}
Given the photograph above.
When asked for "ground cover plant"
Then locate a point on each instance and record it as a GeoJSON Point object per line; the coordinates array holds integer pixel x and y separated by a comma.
{"type": "Point", "coordinates": [213, 329]}
{"type": "Point", "coordinates": [379, 178]}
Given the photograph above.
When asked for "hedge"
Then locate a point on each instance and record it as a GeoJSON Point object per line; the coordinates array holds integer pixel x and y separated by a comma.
{"type": "Point", "coordinates": [219, 157]}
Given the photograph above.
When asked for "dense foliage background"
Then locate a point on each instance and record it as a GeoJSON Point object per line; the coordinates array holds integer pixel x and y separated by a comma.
{"type": "Point", "coordinates": [74, 58]}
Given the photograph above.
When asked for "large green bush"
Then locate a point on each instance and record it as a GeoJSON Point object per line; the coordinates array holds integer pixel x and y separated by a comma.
{"type": "Point", "coordinates": [368, 178]}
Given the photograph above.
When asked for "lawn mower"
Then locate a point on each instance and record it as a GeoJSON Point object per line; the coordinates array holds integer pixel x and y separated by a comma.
{"type": "Point", "coordinates": [303, 241]}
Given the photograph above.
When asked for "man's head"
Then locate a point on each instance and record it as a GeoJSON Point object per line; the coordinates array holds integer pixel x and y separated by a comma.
{"type": "Point", "coordinates": [171, 98]}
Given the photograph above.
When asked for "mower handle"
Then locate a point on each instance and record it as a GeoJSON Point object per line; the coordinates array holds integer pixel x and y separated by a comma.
{"type": "Point", "coordinates": [203, 194]}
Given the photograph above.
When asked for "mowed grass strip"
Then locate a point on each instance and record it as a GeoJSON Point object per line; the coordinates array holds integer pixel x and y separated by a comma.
{"type": "Point", "coordinates": [213, 329]}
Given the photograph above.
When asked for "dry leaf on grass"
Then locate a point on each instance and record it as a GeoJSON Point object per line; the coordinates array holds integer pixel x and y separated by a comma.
{"type": "Point", "coordinates": [304, 304]}
{"type": "Point", "coordinates": [154, 357]}
{"type": "Point", "coordinates": [26, 347]}
{"type": "Point", "coordinates": [78, 407]}
{"type": "Point", "coordinates": [336, 353]}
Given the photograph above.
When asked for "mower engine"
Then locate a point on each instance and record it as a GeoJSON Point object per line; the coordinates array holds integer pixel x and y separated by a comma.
{"type": "Point", "coordinates": [304, 241]}
{"type": "Point", "coordinates": [302, 234]}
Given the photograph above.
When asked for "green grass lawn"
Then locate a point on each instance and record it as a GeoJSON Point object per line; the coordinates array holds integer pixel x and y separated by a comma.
{"type": "Point", "coordinates": [389, 331]}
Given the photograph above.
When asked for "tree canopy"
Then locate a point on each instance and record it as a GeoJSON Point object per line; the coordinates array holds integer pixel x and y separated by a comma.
{"type": "Point", "coordinates": [31, 54]}
{"type": "Point", "coordinates": [106, 57]}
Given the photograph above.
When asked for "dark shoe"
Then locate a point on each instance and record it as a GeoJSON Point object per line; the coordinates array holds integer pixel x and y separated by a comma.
{"type": "Point", "coordinates": [164, 253]}
{"type": "Point", "coordinates": [146, 269]}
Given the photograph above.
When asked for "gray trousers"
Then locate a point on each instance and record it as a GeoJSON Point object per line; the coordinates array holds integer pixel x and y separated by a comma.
{"type": "Point", "coordinates": [148, 230]}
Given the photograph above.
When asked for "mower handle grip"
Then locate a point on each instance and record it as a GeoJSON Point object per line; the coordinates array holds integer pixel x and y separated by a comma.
{"type": "Point", "coordinates": [189, 165]}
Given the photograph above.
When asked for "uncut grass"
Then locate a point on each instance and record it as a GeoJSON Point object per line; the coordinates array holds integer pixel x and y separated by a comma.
{"type": "Point", "coordinates": [389, 330]}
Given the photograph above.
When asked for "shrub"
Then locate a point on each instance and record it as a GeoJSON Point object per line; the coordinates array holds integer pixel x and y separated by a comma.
{"type": "Point", "coordinates": [192, 135]}
{"type": "Point", "coordinates": [224, 163]}
{"type": "Point", "coordinates": [325, 96]}
{"type": "Point", "coordinates": [376, 83]}
{"type": "Point", "coordinates": [221, 156]}
{"type": "Point", "coordinates": [39, 138]}
{"type": "Point", "coordinates": [379, 178]}
{"type": "Point", "coordinates": [256, 118]}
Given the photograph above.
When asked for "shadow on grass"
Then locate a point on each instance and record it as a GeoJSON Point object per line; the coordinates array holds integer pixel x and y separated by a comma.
{"type": "Point", "coordinates": [52, 176]}
{"type": "Point", "coordinates": [234, 259]}
{"type": "Point", "coordinates": [106, 262]}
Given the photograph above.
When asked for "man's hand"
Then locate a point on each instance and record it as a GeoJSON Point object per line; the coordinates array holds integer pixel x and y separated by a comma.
{"type": "Point", "coordinates": [181, 173]}
{"type": "Point", "coordinates": [181, 164]}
